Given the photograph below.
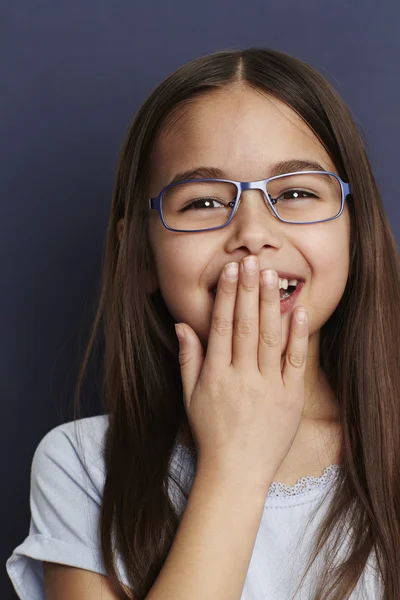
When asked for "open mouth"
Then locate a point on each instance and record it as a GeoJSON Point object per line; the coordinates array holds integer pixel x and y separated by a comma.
{"type": "Point", "coordinates": [284, 293]}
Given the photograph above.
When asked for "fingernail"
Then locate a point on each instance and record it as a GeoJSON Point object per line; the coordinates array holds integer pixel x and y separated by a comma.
{"type": "Point", "coordinates": [180, 332]}
{"type": "Point", "coordinates": [250, 264]}
{"type": "Point", "coordinates": [231, 270]}
{"type": "Point", "coordinates": [269, 277]}
{"type": "Point", "coordinates": [301, 316]}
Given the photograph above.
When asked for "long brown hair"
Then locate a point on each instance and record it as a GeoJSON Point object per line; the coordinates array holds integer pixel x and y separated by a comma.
{"type": "Point", "coordinates": [141, 382]}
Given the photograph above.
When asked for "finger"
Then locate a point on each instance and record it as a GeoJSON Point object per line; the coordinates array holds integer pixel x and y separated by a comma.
{"type": "Point", "coordinates": [296, 354]}
{"type": "Point", "coordinates": [191, 358]}
{"type": "Point", "coordinates": [246, 318]}
{"type": "Point", "coordinates": [269, 348]}
{"type": "Point", "coordinates": [219, 345]}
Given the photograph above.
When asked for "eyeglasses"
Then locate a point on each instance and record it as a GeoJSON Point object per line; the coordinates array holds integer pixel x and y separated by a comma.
{"type": "Point", "coordinates": [300, 198]}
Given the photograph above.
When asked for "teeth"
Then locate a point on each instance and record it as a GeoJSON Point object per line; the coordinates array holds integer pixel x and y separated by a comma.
{"type": "Point", "coordinates": [284, 283]}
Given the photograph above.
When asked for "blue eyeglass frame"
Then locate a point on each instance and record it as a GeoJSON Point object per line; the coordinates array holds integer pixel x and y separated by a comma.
{"type": "Point", "coordinates": [156, 203]}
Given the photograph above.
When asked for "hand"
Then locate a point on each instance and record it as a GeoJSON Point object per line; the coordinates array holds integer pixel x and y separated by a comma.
{"type": "Point", "coordinates": [243, 409]}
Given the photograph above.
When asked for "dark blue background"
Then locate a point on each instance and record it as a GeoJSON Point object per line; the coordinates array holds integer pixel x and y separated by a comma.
{"type": "Point", "coordinates": [72, 75]}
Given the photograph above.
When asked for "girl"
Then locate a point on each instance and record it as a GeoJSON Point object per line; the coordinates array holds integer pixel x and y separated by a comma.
{"type": "Point", "coordinates": [259, 458]}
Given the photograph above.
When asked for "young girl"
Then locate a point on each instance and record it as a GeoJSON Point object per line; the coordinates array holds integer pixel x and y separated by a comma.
{"type": "Point", "coordinates": [259, 458]}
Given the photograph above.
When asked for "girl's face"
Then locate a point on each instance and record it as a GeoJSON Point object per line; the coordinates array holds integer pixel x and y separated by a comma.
{"type": "Point", "coordinates": [244, 133]}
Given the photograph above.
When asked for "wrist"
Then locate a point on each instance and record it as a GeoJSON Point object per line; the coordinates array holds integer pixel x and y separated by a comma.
{"type": "Point", "coordinates": [238, 483]}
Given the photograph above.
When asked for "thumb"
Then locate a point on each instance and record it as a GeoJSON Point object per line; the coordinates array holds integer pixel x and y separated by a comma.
{"type": "Point", "coordinates": [191, 358]}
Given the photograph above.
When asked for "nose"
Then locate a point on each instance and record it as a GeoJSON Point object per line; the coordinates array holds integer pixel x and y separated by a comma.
{"type": "Point", "coordinates": [256, 202]}
{"type": "Point", "coordinates": [254, 225]}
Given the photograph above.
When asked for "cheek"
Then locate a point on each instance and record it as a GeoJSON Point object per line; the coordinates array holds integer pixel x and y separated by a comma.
{"type": "Point", "coordinates": [181, 278]}
{"type": "Point", "coordinates": [329, 264]}
{"type": "Point", "coordinates": [326, 247]}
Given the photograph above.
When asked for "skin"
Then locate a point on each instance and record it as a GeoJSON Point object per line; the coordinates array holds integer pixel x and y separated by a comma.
{"type": "Point", "coordinates": [244, 132]}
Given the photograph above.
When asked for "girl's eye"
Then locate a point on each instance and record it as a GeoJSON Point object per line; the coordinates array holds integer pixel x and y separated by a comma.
{"type": "Point", "coordinates": [296, 194]}
{"type": "Point", "coordinates": [207, 201]}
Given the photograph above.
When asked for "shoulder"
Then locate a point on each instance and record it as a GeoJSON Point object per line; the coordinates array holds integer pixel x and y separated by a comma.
{"type": "Point", "coordinates": [70, 459]}
{"type": "Point", "coordinates": [82, 438]}
{"type": "Point", "coordinates": [68, 471]}
{"type": "Point", "coordinates": [71, 456]}
{"type": "Point", "coordinates": [67, 481]}
{"type": "Point", "coordinates": [92, 430]}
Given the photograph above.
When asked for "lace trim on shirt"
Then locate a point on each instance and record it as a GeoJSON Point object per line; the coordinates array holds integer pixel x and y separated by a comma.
{"type": "Point", "coordinates": [304, 484]}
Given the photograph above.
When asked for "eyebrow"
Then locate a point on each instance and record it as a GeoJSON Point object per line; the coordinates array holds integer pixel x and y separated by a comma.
{"type": "Point", "coordinates": [279, 168]}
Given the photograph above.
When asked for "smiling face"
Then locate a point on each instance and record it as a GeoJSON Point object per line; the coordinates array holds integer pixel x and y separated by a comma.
{"type": "Point", "coordinates": [244, 133]}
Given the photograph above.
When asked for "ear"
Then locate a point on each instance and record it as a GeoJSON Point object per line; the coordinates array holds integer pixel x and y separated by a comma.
{"type": "Point", "coordinates": [152, 280]}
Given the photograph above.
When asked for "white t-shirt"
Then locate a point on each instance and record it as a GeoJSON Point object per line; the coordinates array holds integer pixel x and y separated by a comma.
{"type": "Point", "coordinates": [65, 500]}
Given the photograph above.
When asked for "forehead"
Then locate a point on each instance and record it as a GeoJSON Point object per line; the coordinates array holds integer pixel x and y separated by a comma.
{"type": "Point", "coordinates": [239, 130]}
